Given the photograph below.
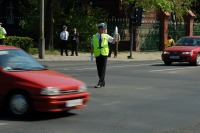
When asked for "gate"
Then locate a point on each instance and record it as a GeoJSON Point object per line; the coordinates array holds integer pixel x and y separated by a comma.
{"type": "Point", "coordinates": [176, 30]}
{"type": "Point", "coordinates": [196, 31]}
{"type": "Point", "coordinates": [123, 28]}
{"type": "Point", "coordinates": [150, 36]}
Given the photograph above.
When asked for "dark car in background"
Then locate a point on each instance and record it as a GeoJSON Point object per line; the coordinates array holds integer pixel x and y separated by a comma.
{"type": "Point", "coordinates": [186, 49]}
{"type": "Point", "coordinates": [27, 86]}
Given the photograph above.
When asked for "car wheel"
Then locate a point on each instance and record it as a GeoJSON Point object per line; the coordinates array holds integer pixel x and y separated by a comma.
{"type": "Point", "coordinates": [167, 63]}
{"type": "Point", "coordinates": [197, 60]}
{"type": "Point", "coordinates": [19, 105]}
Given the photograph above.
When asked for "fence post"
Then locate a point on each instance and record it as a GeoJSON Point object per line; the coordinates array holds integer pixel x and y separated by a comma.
{"type": "Point", "coordinates": [189, 21]}
{"type": "Point", "coordinates": [164, 20]}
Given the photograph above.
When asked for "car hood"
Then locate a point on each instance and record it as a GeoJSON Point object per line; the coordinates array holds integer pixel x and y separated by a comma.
{"type": "Point", "coordinates": [46, 78]}
{"type": "Point", "coordinates": [182, 48]}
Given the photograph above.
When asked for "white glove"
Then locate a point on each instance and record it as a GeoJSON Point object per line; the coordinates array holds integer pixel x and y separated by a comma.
{"type": "Point", "coordinates": [91, 57]}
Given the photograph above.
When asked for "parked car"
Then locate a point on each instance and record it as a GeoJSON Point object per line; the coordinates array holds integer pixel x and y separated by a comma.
{"type": "Point", "coordinates": [26, 85]}
{"type": "Point", "coordinates": [186, 49]}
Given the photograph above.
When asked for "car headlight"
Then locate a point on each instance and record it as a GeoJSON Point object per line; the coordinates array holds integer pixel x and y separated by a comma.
{"type": "Point", "coordinates": [50, 91]}
{"type": "Point", "coordinates": [165, 52]}
{"type": "Point", "coordinates": [82, 88]}
{"type": "Point", "coordinates": [187, 53]}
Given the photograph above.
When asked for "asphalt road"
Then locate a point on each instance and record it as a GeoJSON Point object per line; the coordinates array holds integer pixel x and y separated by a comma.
{"type": "Point", "coordinates": [139, 97]}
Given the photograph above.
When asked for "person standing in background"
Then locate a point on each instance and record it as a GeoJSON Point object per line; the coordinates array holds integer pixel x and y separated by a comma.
{"type": "Point", "coordinates": [170, 41]}
{"type": "Point", "coordinates": [100, 49]}
{"type": "Point", "coordinates": [64, 35]}
{"type": "Point", "coordinates": [75, 42]}
{"type": "Point", "coordinates": [114, 45]}
{"type": "Point", "coordinates": [2, 34]}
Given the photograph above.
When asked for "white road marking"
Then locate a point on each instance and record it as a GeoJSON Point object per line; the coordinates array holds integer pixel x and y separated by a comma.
{"type": "Point", "coordinates": [114, 66]}
{"type": "Point", "coordinates": [111, 103]}
{"type": "Point", "coordinates": [173, 69]}
{"type": "Point", "coordinates": [3, 124]}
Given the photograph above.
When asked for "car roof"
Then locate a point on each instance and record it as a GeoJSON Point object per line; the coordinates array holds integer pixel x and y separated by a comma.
{"type": "Point", "coordinates": [4, 47]}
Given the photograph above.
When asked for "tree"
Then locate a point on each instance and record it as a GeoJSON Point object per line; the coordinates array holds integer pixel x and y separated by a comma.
{"type": "Point", "coordinates": [178, 6]}
{"type": "Point", "coordinates": [49, 25]}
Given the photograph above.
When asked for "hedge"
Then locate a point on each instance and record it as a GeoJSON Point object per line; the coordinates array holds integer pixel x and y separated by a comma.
{"type": "Point", "coordinates": [24, 43]}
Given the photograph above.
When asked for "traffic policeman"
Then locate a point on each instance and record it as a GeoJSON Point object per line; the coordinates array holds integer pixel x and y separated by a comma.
{"type": "Point", "coordinates": [100, 49]}
{"type": "Point", "coordinates": [2, 34]}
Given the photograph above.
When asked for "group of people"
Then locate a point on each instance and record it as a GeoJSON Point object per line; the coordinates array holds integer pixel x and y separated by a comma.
{"type": "Point", "coordinates": [64, 36]}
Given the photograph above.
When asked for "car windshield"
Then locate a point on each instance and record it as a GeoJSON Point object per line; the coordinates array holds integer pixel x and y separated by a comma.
{"type": "Point", "coordinates": [18, 60]}
{"type": "Point", "coordinates": [188, 42]}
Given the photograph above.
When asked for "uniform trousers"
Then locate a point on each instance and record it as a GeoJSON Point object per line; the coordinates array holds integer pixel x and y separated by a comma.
{"type": "Point", "coordinates": [64, 47]}
{"type": "Point", "coordinates": [101, 62]}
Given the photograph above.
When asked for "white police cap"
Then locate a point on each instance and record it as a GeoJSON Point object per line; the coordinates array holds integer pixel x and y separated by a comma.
{"type": "Point", "coordinates": [102, 25]}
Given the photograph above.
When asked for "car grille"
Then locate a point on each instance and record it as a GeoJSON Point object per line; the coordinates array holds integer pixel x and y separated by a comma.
{"type": "Point", "coordinates": [175, 53]}
{"type": "Point", "coordinates": [69, 92]}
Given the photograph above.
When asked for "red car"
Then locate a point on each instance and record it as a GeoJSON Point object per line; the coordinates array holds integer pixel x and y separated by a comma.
{"type": "Point", "coordinates": [186, 49]}
{"type": "Point", "coordinates": [26, 85]}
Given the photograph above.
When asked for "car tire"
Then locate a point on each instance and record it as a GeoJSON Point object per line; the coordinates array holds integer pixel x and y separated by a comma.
{"type": "Point", "coordinates": [167, 63]}
{"type": "Point", "coordinates": [19, 105]}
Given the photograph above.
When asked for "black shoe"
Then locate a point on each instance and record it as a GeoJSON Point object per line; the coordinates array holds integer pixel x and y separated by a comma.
{"type": "Point", "coordinates": [100, 85]}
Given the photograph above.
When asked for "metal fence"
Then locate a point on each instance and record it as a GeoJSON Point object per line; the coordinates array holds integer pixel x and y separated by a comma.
{"type": "Point", "coordinates": [176, 30]}
{"type": "Point", "coordinates": [123, 27]}
{"type": "Point", "coordinates": [150, 36]}
{"type": "Point", "coordinates": [149, 32]}
{"type": "Point", "coordinates": [196, 29]}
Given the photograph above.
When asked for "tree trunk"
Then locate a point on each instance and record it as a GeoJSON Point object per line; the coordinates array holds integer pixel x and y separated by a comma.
{"type": "Point", "coordinates": [49, 25]}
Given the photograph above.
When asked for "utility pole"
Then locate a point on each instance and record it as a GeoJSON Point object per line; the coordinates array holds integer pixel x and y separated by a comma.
{"type": "Point", "coordinates": [41, 39]}
{"type": "Point", "coordinates": [135, 22]}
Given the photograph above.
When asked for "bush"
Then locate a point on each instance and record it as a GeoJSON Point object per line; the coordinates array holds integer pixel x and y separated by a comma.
{"type": "Point", "coordinates": [24, 43]}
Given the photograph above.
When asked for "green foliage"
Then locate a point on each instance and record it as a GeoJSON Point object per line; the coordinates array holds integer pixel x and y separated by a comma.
{"type": "Point", "coordinates": [179, 6]}
{"type": "Point", "coordinates": [24, 43]}
{"type": "Point", "coordinates": [84, 18]}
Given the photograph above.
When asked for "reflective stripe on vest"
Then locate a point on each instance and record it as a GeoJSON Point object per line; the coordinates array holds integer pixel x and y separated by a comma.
{"type": "Point", "coordinates": [104, 45]}
{"type": "Point", "coordinates": [1, 33]}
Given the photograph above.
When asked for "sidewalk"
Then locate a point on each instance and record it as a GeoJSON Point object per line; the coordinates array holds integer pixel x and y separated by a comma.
{"type": "Point", "coordinates": [122, 56]}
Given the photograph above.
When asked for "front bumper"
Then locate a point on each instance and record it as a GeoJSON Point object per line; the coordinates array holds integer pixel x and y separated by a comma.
{"type": "Point", "coordinates": [58, 103]}
{"type": "Point", "coordinates": [179, 58]}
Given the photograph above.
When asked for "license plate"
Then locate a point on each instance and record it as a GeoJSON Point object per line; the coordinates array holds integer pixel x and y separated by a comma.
{"type": "Point", "coordinates": [174, 57]}
{"type": "Point", "coordinates": [75, 102]}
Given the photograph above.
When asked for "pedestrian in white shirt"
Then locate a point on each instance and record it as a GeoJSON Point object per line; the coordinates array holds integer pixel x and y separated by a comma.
{"type": "Point", "coordinates": [64, 41]}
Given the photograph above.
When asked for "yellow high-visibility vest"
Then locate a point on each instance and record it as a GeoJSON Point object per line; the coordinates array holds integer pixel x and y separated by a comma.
{"type": "Point", "coordinates": [104, 50]}
{"type": "Point", "coordinates": [1, 33]}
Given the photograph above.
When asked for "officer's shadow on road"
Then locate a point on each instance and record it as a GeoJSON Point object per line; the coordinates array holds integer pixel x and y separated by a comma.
{"type": "Point", "coordinates": [36, 116]}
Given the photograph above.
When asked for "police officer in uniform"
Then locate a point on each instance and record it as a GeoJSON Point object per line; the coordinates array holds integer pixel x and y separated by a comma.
{"type": "Point", "coordinates": [100, 49]}
{"type": "Point", "coordinates": [2, 34]}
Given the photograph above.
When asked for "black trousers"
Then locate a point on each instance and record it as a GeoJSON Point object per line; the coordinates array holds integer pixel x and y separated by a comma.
{"type": "Point", "coordinates": [101, 62]}
{"type": "Point", "coordinates": [113, 48]}
{"type": "Point", "coordinates": [63, 47]}
{"type": "Point", "coordinates": [74, 48]}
